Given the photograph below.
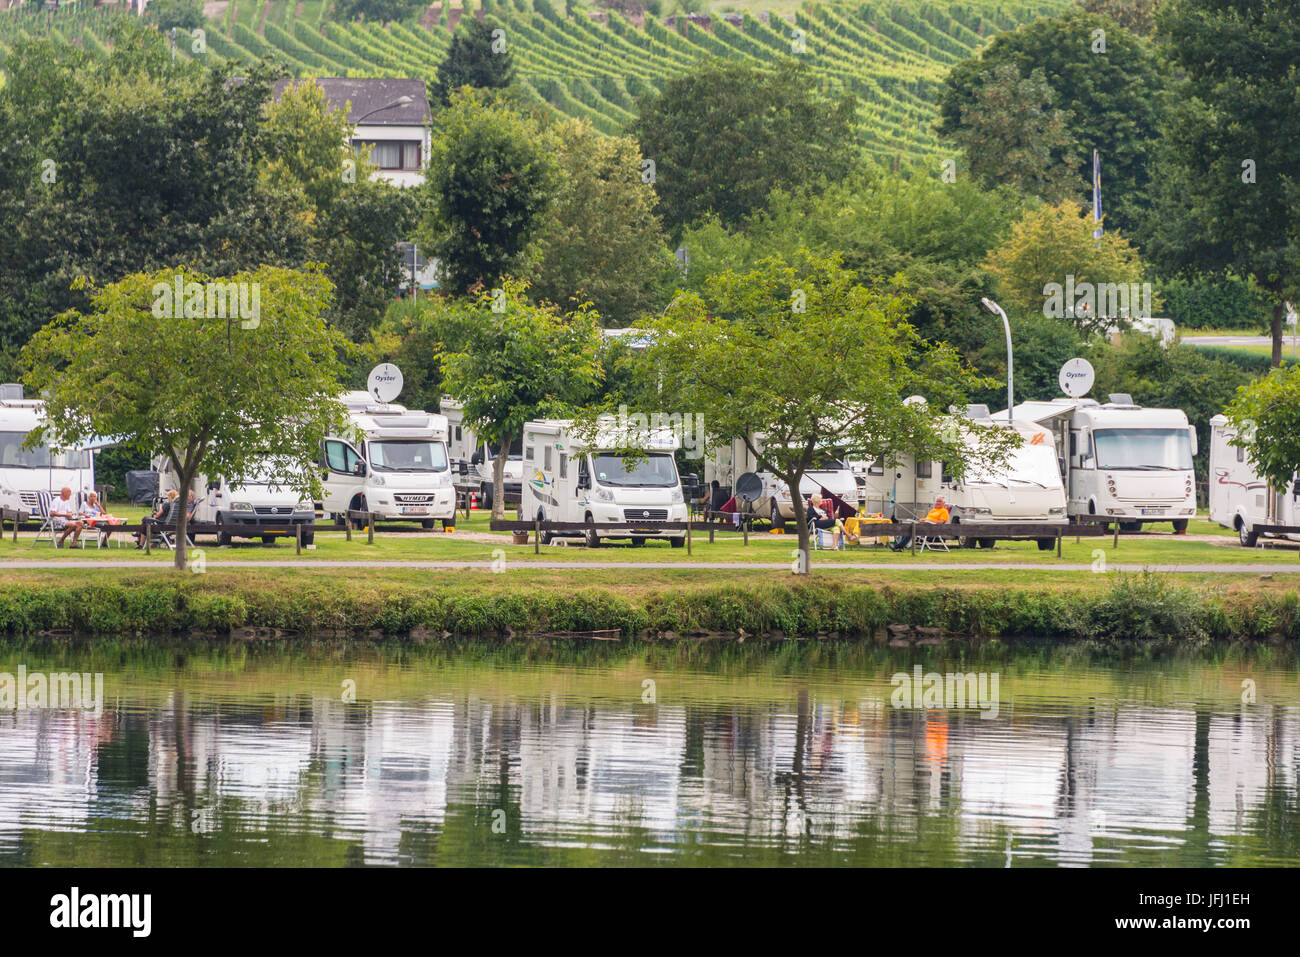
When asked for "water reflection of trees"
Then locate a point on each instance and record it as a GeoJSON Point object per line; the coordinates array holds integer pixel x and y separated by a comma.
{"type": "Point", "coordinates": [468, 778]}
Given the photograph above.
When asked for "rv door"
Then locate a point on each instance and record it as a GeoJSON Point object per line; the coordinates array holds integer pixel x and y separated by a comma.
{"type": "Point", "coordinates": [345, 473]}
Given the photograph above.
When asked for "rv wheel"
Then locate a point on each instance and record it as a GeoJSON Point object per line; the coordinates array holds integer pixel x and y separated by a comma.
{"type": "Point", "coordinates": [1180, 525]}
{"type": "Point", "coordinates": [637, 542]}
{"type": "Point", "coordinates": [485, 496]}
{"type": "Point", "coordinates": [778, 522]}
{"type": "Point", "coordinates": [592, 539]}
{"type": "Point", "coordinates": [268, 539]}
{"type": "Point", "coordinates": [1247, 538]}
{"type": "Point", "coordinates": [987, 542]}
{"type": "Point", "coordinates": [1046, 544]}
{"type": "Point", "coordinates": [427, 523]}
{"type": "Point", "coordinates": [544, 537]}
{"type": "Point", "coordinates": [1130, 526]}
{"type": "Point", "coordinates": [223, 536]}
{"type": "Point", "coordinates": [678, 542]}
{"type": "Point", "coordinates": [308, 538]}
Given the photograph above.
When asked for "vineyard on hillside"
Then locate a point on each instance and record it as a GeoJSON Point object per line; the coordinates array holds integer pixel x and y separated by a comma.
{"type": "Point", "coordinates": [891, 55]}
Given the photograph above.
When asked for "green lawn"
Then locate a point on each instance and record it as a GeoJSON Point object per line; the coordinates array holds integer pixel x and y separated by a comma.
{"type": "Point", "coordinates": [465, 544]}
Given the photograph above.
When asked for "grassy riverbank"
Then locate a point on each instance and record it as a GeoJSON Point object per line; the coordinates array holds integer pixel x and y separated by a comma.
{"type": "Point", "coordinates": [664, 605]}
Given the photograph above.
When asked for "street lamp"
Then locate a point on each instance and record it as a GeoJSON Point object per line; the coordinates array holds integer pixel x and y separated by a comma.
{"type": "Point", "coordinates": [994, 308]}
{"type": "Point", "coordinates": [400, 101]}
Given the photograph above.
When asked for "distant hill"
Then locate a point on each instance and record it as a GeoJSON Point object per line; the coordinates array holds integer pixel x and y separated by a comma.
{"type": "Point", "coordinates": [892, 55]}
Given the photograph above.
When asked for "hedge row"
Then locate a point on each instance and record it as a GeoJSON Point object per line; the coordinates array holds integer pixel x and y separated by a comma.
{"type": "Point", "coordinates": [1132, 608]}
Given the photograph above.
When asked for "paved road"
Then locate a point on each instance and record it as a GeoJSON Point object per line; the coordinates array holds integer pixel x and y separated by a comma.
{"type": "Point", "coordinates": [1242, 340]}
{"type": "Point", "coordinates": [1194, 569]}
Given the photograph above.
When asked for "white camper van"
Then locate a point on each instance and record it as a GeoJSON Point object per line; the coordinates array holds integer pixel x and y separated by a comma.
{"type": "Point", "coordinates": [1240, 498]}
{"type": "Point", "coordinates": [25, 472]}
{"type": "Point", "coordinates": [1122, 461]}
{"type": "Point", "coordinates": [727, 463]}
{"type": "Point", "coordinates": [569, 480]}
{"type": "Point", "coordinates": [235, 507]}
{"type": "Point", "coordinates": [392, 462]}
{"type": "Point", "coordinates": [1029, 490]}
{"type": "Point", "coordinates": [479, 457]}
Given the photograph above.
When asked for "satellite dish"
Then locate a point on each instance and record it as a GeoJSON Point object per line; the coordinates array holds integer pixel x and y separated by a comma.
{"type": "Point", "coordinates": [749, 487]}
{"type": "Point", "coordinates": [384, 382]}
{"type": "Point", "coordinates": [1076, 378]}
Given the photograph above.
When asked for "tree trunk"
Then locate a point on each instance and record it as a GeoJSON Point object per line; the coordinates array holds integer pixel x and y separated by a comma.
{"type": "Point", "coordinates": [182, 518]}
{"type": "Point", "coordinates": [499, 480]}
{"type": "Point", "coordinates": [1276, 329]}
{"type": "Point", "coordinates": [801, 524]}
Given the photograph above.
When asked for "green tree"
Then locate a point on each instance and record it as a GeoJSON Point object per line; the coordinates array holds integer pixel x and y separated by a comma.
{"type": "Point", "coordinates": [602, 243]}
{"type": "Point", "coordinates": [219, 390]}
{"type": "Point", "coordinates": [725, 135]}
{"type": "Point", "coordinates": [490, 182]}
{"type": "Point", "coordinates": [475, 58]}
{"type": "Point", "coordinates": [185, 15]}
{"type": "Point", "coordinates": [1266, 415]}
{"type": "Point", "coordinates": [514, 361]}
{"type": "Point", "coordinates": [1230, 175]}
{"type": "Point", "coordinates": [190, 193]}
{"type": "Point", "coordinates": [804, 355]}
{"type": "Point", "coordinates": [377, 11]}
{"type": "Point", "coordinates": [1115, 100]}
{"type": "Point", "coordinates": [1012, 134]}
{"type": "Point", "coordinates": [1135, 15]}
{"type": "Point", "coordinates": [1051, 250]}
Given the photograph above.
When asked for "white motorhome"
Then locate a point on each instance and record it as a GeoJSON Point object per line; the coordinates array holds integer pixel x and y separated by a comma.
{"type": "Point", "coordinates": [1028, 490]}
{"type": "Point", "coordinates": [1121, 461]}
{"type": "Point", "coordinates": [725, 464]}
{"type": "Point", "coordinates": [571, 479]}
{"type": "Point", "coordinates": [392, 462]}
{"type": "Point", "coordinates": [479, 457]}
{"type": "Point", "coordinates": [1240, 497]}
{"type": "Point", "coordinates": [233, 508]}
{"type": "Point", "coordinates": [25, 472]}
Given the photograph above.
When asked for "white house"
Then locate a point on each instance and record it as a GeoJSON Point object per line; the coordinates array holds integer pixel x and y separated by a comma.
{"type": "Point", "coordinates": [391, 116]}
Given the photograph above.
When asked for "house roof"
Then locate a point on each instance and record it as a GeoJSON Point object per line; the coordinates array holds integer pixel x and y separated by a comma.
{"type": "Point", "coordinates": [365, 96]}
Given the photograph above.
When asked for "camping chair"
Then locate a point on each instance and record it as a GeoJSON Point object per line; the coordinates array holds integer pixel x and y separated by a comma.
{"type": "Point", "coordinates": [160, 528]}
{"type": "Point", "coordinates": [934, 543]}
{"type": "Point", "coordinates": [47, 520]}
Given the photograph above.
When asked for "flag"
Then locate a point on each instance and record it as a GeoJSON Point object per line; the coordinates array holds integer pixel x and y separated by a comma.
{"type": "Point", "coordinates": [1096, 194]}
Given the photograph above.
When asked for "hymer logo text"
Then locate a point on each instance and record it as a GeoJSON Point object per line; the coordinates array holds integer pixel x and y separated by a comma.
{"type": "Point", "coordinates": [132, 911]}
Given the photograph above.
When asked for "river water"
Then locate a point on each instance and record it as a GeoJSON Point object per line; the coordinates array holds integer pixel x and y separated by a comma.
{"type": "Point", "coordinates": [609, 754]}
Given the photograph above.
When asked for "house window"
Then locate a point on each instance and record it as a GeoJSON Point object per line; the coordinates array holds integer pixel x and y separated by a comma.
{"type": "Point", "coordinates": [546, 467]}
{"type": "Point", "coordinates": [945, 474]}
{"type": "Point", "coordinates": [458, 433]}
{"type": "Point", "coordinates": [392, 154]}
{"type": "Point", "coordinates": [564, 465]}
{"type": "Point", "coordinates": [924, 469]}
{"type": "Point", "coordinates": [528, 453]}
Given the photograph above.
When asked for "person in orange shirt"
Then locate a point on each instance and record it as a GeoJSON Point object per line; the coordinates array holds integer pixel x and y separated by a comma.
{"type": "Point", "coordinates": [938, 515]}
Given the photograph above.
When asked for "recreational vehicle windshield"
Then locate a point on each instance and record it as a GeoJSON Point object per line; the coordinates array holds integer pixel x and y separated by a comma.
{"type": "Point", "coordinates": [1121, 460]}
{"type": "Point", "coordinates": [597, 483]}
{"type": "Point", "coordinates": [392, 463]}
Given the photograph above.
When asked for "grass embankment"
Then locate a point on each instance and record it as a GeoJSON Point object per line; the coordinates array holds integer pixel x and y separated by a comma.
{"type": "Point", "coordinates": [668, 605]}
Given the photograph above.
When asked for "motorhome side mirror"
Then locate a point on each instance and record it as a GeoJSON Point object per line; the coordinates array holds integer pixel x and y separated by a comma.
{"type": "Point", "coordinates": [463, 466]}
{"type": "Point", "coordinates": [476, 458]}
{"type": "Point", "coordinates": [1295, 489]}
{"type": "Point", "coordinates": [1085, 462]}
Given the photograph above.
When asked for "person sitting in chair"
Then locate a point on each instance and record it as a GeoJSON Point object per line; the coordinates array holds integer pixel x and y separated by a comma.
{"type": "Point", "coordinates": [819, 517]}
{"type": "Point", "coordinates": [938, 515]}
{"type": "Point", "coordinates": [65, 517]}
{"type": "Point", "coordinates": [160, 517]}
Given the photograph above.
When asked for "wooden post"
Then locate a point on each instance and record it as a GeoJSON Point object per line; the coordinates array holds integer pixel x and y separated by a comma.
{"type": "Point", "coordinates": [1058, 543]}
{"type": "Point", "coordinates": [688, 533]}
{"type": "Point", "coordinates": [537, 536]}
{"type": "Point", "coordinates": [708, 519]}
{"type": "Point", "coordinates": [914, 539]}
{"type": "Point", "coordinates": [744, 528]}
{"type": "Point", "coordinates": [1116, 543]}
{"type": "Point", "coordinates": [298, 536]}
{"type": "Point", "coordinates": [148, 539]}
{"type": "Point", "coordinates": [370, 527]}
{"type": "Point", "coordinates": [347, 524]}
